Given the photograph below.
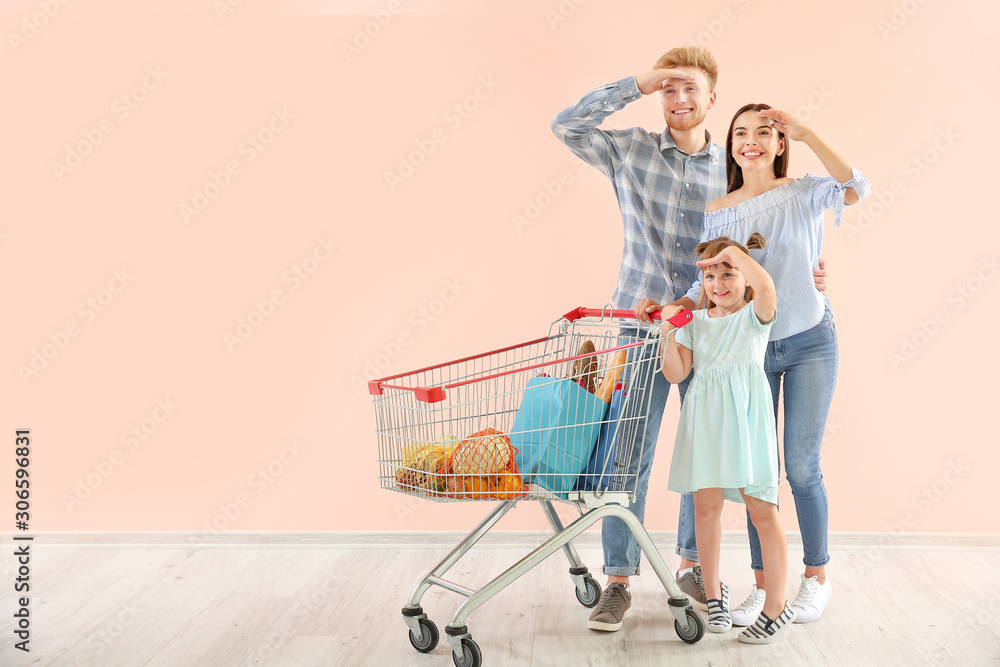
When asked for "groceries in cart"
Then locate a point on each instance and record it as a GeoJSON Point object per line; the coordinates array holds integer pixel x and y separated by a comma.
{"type": "Point", "coordinates": [560, 421]}
{"type": "Point", "coordinates": [562, 439]}
{"type": "Point", "coordinates": [421, 460]}
{"type": "Point", "coordinates": [482, 466]}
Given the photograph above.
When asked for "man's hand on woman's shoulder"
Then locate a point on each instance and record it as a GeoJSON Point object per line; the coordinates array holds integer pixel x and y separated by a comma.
{"type": "Point", "coordinates": [819, 277]}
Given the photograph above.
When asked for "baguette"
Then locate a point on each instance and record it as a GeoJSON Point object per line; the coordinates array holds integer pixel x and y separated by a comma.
{"type": "Point", "coordinates": [612, 375]}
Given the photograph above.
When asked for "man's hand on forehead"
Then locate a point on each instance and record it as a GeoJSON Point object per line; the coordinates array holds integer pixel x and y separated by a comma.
{"type": "Point", "coordinates": [656, 79]}
{"type": "Point", "coordinates": [676, 77]}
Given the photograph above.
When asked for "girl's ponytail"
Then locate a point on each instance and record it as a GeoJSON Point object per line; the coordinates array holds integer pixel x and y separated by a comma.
{"type": "Point", "coordinates": [755, 242]}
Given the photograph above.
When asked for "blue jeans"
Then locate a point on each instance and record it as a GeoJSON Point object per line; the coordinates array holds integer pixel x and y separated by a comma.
{"type": "Point", "coordinates": [621, 551]}
{"type": "Point", "coordinates": [808, 364]}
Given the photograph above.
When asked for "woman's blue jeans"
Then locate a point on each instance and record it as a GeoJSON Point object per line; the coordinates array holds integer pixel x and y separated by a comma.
{"type": "Point", "coordinates": [807, 365]}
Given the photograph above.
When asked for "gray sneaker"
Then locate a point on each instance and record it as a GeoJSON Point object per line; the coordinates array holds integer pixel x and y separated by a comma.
{"type": "Point", "coordinates": [609, 614]}
{"type": "Point", "coordinates": [693, 586]}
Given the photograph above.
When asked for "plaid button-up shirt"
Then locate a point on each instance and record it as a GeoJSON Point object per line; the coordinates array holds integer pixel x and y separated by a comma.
{"type": "Point", "coordinates": [662, 192]}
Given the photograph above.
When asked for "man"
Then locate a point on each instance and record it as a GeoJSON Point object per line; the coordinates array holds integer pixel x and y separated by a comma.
{"type": "Point", "coordinates": [663, 183]}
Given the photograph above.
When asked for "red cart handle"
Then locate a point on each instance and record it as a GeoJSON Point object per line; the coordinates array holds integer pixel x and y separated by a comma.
{"type": "Point", "coordinates": [678, 320]}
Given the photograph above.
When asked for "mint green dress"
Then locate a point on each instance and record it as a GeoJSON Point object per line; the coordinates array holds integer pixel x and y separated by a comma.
{"type": "Point", "coordinates": [726, 435]}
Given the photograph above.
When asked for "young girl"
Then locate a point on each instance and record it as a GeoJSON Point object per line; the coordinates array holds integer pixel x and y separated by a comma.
{"type": "Point", "coordinates": [726, 444]}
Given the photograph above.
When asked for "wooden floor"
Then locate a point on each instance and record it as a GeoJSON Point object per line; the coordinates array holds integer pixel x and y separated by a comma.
{"type": "Point", "coordinates": [304, 605]}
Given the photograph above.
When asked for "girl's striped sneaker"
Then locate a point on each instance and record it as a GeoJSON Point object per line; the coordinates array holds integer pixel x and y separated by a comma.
{"type": "Point", "coordinates": [764, 629]}
{"type": "Point", "coordinates": [719, 619]}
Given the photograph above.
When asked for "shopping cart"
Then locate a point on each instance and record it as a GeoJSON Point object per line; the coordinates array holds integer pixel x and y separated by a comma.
{"type": "Point", "coordinates": [548, 420]}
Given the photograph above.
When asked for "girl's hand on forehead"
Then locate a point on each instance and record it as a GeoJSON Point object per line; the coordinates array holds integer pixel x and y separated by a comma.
{"type": "Point", "coordinates": [724, 256]}
{"type": "Point", "coordinates": [785, 123]}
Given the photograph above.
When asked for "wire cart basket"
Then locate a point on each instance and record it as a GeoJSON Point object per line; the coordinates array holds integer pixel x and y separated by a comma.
{"type": "Point", "coordinates": [557, 419]}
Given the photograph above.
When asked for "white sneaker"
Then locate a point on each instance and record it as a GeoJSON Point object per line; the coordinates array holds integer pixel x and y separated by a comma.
{"type": "Point", "coordinates": [812, 599]}
{"type": "Point", "coordinates": [748, 612]}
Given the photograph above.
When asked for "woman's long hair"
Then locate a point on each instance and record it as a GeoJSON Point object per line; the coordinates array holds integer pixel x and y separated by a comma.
{"type": "Point", "coordinates": [734, 173]}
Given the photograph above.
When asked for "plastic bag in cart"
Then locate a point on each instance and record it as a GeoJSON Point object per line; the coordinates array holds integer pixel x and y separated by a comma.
{"type": "Point", "coordinates": [554, 431]}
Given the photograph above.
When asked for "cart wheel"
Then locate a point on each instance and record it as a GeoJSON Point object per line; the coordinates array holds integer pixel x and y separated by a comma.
{"type": "Point", "coordinates": [471, 655]}
{"type": "Point", "coordinates": [429, 636]}
{"type": "Point", "coordinates": [593, 594]}
{"type": "Point", "coordinates": [696, 627]}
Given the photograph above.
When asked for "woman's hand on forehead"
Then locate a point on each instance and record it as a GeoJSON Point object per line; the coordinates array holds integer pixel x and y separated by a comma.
{"type": "Point", "coordinates": [785, 123]}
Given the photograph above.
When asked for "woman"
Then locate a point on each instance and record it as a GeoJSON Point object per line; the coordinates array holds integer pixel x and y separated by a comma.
{"type": "Point", "coordinates": [802, 347]}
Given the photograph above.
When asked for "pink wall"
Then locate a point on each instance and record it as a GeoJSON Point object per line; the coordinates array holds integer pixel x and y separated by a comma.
{"type": "Point", "coordinates": [164, 100]}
